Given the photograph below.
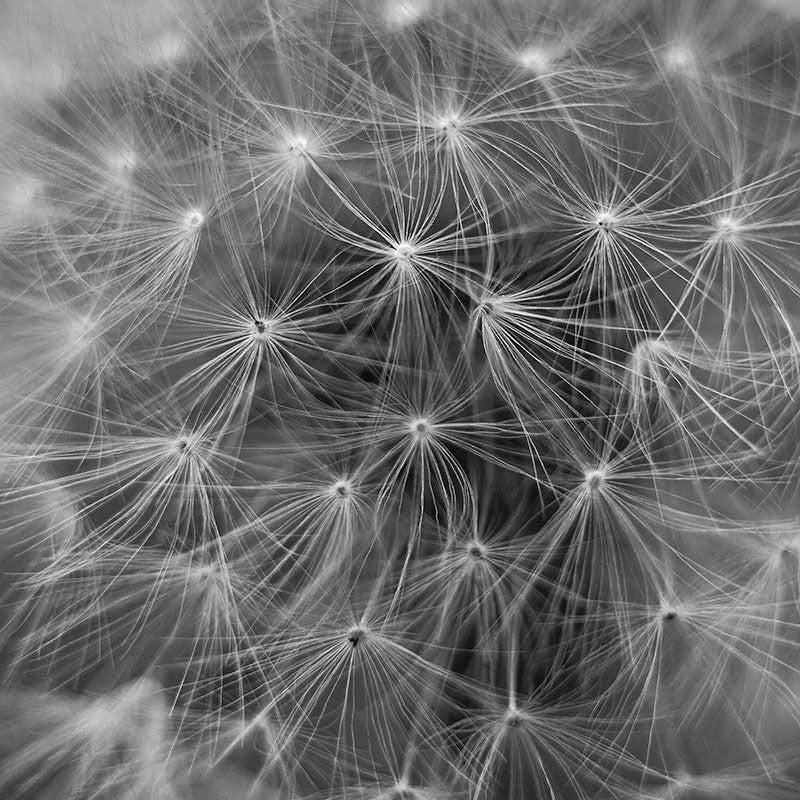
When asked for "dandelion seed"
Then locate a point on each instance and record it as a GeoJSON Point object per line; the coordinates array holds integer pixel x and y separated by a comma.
{"type": "Point", "coordinates": [357, 683]}
{"type": "Point", "coordinates": [519, 748]}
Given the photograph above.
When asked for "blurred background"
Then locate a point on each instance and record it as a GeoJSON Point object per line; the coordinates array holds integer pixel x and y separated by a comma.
{"type": "Point", "coordinates": [47, 44]}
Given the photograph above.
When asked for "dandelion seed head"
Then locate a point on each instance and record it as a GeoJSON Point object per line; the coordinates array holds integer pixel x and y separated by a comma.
{"type": "Point", "coordinates": [318, 456]}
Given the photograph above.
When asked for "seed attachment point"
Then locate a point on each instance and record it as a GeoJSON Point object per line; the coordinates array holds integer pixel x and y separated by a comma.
{"type": "Point", "coordinates": [355, 635]}
{"type": "Point", "coordinates": [403, 254]}
{"type": "Point", "coordinates": [420, 428]}
{"type": "Point", "coordinates": [262, 329]}
{"type": "Point", "coordinates": [727, 228]}
{"type": "Point", "coordinates": [476, 550]}
{"type": "Point", "coordinates": [594, 480]}
{"type": "Point", "coordinates": [193, 219]}
{"type": "Point", "coordinates": [680, 58]}
{"type": "Point", "coordinates": [605, 222]}
{"type": "Point", "coordinates": [534, 59]}
{"type": "Point", "coordinates": [341, 490]}
{"type": "Point", "coordinates": [121, 164]}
